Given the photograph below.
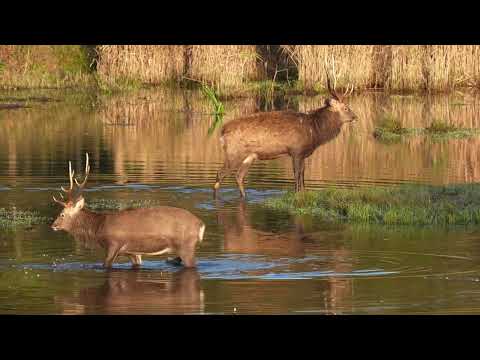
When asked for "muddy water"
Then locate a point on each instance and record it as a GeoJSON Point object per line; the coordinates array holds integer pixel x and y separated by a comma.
{"type": "Point", "coordinates": [154, 146]}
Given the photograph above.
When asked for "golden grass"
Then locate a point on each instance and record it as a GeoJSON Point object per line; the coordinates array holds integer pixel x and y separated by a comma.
{"type": "Point", "coordinates": [395, 68]}
{"type": "Point", "coordinates": [223, 66]}
{"type": "Point", "coordinates": [44, 66]}
{"type": "Point", "coordinates": [232, 68]}
{"type": "Point", "coordinates": [310, 60]}
{"type": "Point", "coordinates": [149, 64]}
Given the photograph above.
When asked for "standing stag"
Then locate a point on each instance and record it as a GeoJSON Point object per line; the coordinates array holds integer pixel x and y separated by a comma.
{"type": "Point", "coordinates": [269, 135]}
{"type": "Point", "coordinates": [132, 232]}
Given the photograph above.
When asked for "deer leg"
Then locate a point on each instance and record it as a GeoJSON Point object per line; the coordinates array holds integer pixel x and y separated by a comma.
{"type": "Point", "coordinates": [298, 171]}
{"type": "Point", "coordinates": [175, 261]}
{"type": "Point", "coordinates": [301, 174]}
{"type": "Point", "coordinates": [187, 256]}
{"type": "Point", "coordinates": [243, 170]}
{"type": "Point", "coordinates": [136, 260]}
{"type": "Point", "coordinates": [221, 174]}
{"type": "Point", "coordinates": [295, 171]}
{"type": "Point", "coordinates": [112, 254]}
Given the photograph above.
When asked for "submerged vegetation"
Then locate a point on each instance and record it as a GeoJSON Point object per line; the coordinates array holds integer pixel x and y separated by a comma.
{"type": "Point", "coordinates": [391, 130]}
{"type": "Point", "coordinates": [399, 205]}
{"type": "Point", "coordinates": [13, 218]}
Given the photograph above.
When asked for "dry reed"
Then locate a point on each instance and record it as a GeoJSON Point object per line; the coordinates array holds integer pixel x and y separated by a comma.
{"type": "Point", "coordinates": [395, 68]}
{"type": "Point", "coordinates": [223, 66]}
{"type": "Point", "coordinates": [44, 66]}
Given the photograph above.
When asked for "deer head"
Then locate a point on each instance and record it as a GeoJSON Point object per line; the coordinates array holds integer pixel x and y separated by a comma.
{"type": "Point", "coordinates": [74, 202]}
{"type": "Point", "coordinates": [336, 102]}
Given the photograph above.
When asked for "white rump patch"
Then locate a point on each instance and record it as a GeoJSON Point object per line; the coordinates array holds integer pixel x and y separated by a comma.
{"type": "Point", "coordinates": [201, 233]}
{"type": "Point", "coordinates": [250, 158]}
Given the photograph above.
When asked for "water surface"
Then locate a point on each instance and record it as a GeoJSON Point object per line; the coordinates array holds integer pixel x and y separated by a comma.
{"type": "Point", "coordinates": [154, 146]}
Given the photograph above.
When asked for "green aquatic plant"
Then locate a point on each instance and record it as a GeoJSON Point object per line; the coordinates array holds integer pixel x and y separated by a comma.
{"type": "Point", "coordinates": [218, 107]}
{"type": "Point", "coordinates": [442, 129]}
{"type": "Point", "coordinates": [391, 130]}
{"type": "Point", "coordinates": [211, 95]}
{"type": "Point", "coordinates": [398, 205]}
{"type": "Point", "coordinates": [14, 218]}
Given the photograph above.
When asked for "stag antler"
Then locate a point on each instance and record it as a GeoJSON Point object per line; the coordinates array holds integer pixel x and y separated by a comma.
{"type": "Point", "coordinates": [69, 191]}
{"type": "Point", "coordinates": [87, 171]}
{"type": "Point", "coordinates": [331, 90]}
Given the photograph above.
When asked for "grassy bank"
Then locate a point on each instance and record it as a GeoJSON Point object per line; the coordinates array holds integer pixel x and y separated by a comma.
{"type": "Point", "coordinates": [401, 205]}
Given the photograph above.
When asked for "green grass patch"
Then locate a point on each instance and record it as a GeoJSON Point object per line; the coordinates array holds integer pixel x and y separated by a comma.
{"type": "Point", "coordinates": [391, 130]}
{"type": "Point", "coordinates": [398, 205]}
{"type": "Point", "coordinates": [13, 218]}
{"type": "Point", "coordinates": [442, 129]}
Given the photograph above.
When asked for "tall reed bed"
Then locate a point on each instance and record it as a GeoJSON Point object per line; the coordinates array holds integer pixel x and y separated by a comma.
{"type": "Point", "coordinates": [120, 65]}
{"type": "Point", "coordinates": [353, 64]}
{"type": "Point", "coordinates": [227, 67]}
{"type": "Point", "coordinates": [44, 66]}
{"type": "Point", "coordinates": [391, 67]}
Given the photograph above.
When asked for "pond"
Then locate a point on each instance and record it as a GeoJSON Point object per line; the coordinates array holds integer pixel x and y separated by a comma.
{"type": "Point", "coordinates": [154, 147]}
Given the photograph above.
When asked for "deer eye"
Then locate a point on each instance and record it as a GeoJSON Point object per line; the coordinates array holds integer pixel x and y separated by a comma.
{"type": "Point", "coordinates": [62, 215]}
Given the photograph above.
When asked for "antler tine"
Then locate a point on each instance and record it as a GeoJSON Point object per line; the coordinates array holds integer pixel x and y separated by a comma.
{"type": "Point", "coordinates": [70, 174]}
{"type": "Point", "coordinates": [87, 171]}
{"type": "Point", "coordinates": [58, 201]}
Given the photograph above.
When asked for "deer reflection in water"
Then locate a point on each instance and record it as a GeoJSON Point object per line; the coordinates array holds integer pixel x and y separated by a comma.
{"type": "Point", "coordinates": [240, 236]}
{"type": "Point", "coordinates": [139, 292]}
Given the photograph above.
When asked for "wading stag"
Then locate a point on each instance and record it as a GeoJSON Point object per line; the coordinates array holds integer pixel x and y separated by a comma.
{"type": "Point", "coordinates": [269, 135]}
{"type": "Point", "coordinates": [131, 232]}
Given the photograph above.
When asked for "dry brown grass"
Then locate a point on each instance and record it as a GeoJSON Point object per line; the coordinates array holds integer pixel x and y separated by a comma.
{"type": "Point", "coordinates": [43, 66]}
{"type": "Point", "coordinates": [150, 64]}
{"type": "Point", "coordinates": [227, 67]}
{"type": "Point", "coordinates": [395, 68]}
{"type": "Point", "coordinates": [232, 68]}
{"type": "Point", "coordinates": [353, 64]}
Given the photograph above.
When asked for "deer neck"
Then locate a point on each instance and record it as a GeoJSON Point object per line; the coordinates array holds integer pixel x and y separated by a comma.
{"type": "Point", "coordinates": [86, 224]}
{"type": "Point", "coordinates": [326, 125]}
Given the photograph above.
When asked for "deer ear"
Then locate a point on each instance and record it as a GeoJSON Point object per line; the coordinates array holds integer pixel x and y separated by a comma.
{"type": "Point", "coordinates": [79, 204]}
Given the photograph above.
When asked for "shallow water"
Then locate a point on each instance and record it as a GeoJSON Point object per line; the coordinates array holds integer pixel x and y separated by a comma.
{"type": "Point", "coordinates": [154, 146]}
